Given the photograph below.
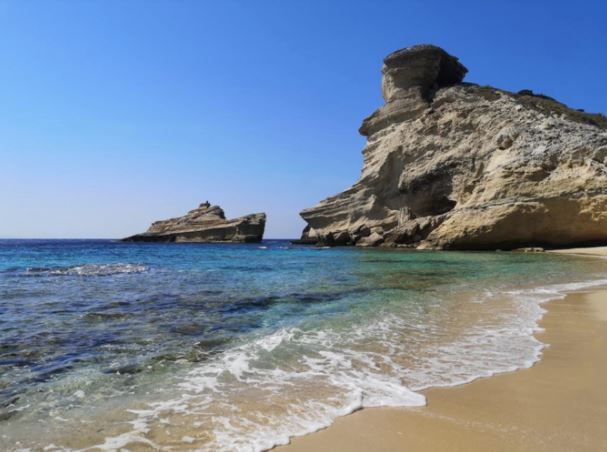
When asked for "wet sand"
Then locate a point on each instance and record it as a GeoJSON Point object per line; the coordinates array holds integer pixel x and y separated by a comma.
{"type": "Point", "coordinates": [559, 404]}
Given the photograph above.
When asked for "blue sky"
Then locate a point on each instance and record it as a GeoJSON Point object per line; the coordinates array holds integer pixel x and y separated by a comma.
{"type": "Point", "coordinates": [117, 113]}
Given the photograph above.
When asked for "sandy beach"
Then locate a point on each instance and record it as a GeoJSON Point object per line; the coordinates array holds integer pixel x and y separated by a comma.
{"type": "Point", "coordinates": [558, 404]}
{"type": "Point", "coordinates": [592, 251]}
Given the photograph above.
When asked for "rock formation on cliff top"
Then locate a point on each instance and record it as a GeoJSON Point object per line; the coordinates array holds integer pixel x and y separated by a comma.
{"type": "Point", "coordinates": [453, 165]}
{"type": "Point", "coordinates": [205, 224]}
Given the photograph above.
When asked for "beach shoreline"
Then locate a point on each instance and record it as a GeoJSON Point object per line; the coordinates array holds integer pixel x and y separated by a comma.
{"type": "Point", "coordinates": [596, 251]}
{"type": "Point", "coordinates": [447, 319]}
{"type": "Point", "coordinates": [558, 404]}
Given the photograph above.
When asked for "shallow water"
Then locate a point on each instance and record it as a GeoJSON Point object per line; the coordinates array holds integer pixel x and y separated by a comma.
{"type": "Point", "coordinates": [239, 347]}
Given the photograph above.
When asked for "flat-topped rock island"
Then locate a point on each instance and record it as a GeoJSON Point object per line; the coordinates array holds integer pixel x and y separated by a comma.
{"type": "Point", "coordinates": [205, 224]}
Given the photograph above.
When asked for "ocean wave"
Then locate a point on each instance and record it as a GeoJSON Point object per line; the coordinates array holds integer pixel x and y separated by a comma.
{"type": "Point", "coordinates": [87, 270]}
{"type": "Point", "coordinates": [293, 382]}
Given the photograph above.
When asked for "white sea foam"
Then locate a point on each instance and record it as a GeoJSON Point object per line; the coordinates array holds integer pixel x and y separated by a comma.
{"type": "Point", "coordinates": [88, 270]}
{"type": "Point", "coordinates": [293, 381]}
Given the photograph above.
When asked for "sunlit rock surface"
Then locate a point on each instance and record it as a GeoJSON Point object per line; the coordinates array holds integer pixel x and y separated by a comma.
{"type": "Point", "coordinates": [206, 223]}
{"type": "Point", "coordinates": [454, 165]}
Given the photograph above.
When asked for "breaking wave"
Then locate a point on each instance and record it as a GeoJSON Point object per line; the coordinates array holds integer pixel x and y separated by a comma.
{"type": "Point", "coordinates": [301, 381]}
{"type": "Point", "coordinates": [87, 270]}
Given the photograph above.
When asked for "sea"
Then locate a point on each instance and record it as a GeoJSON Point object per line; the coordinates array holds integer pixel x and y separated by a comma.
{"type": "Point", "coordinates": [107, 345]}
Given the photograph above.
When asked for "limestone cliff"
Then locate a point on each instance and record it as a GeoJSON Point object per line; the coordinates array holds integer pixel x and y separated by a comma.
{"type": "Point", "coordinates": [454, 165]}
{"type": "Point", "coordinates": [205, 224]}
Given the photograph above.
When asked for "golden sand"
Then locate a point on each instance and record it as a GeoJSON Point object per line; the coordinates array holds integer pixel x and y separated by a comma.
{"type": "Point", "coordinates": [592, 251]}
{"type": "Point", "coordinates": [560, 404]}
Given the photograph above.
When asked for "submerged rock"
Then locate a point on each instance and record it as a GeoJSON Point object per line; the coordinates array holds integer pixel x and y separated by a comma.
{"type": "Point", "coordinates": [204, 224]}
{"type": "Point", "coordinates": [453, 165]}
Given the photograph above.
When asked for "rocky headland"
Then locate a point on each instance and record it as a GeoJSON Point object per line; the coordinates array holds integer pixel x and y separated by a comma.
{"type": "Point", "coordinates": [205, 224]}
{"type": "Point", "coordinates": [454, 165]}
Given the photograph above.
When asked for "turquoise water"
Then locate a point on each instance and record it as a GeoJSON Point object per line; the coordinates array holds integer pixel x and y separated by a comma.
{"type": "Point", "coordinates": [239, 347]}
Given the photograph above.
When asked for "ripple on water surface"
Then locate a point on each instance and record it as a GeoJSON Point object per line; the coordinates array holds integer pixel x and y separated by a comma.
{"type": "Point", "coordinates": [242, 346]}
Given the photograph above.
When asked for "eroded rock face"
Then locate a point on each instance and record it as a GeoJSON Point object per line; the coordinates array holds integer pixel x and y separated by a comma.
{"type": "Point", "coordinates": [205, 224]}
{"type": "Point", "coordinates": [410, 77]}
{"type": "Point", "coordinates": [452, 165]}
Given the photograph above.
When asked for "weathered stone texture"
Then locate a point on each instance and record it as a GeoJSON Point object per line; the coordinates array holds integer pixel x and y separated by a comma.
{"type": "Point", "coordinates": [453, 165]}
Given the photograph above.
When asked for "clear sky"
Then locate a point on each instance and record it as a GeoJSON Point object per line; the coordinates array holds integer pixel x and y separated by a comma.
{"type": "Point", "coordinates": [117, 113]}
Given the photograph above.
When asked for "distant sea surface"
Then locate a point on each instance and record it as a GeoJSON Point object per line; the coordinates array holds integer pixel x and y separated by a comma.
{"type": "Point", "coordinates": [239, 347]}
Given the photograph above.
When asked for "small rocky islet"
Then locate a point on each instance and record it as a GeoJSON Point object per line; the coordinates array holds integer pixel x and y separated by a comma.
{"type": "Point", "coordinates": [454, 165]}
{"type": "Point", "coordinates": [205, 224]}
